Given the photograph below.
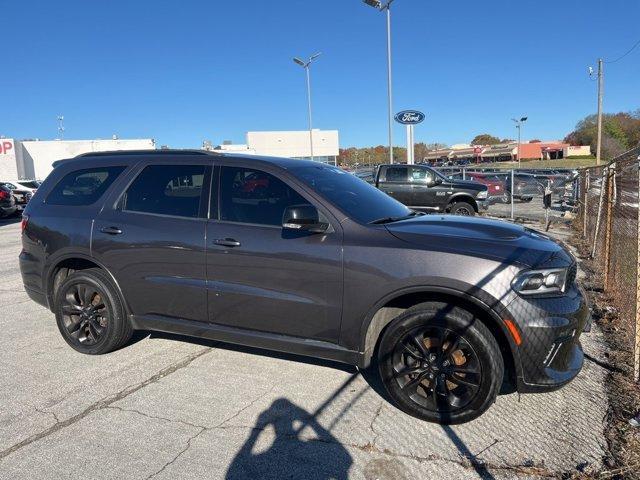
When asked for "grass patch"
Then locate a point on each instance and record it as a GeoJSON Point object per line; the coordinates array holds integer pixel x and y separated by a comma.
{"type": "Point", "coordinates": [564, 163]}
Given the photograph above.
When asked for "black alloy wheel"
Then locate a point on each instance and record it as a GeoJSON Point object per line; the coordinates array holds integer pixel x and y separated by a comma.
{"type": "Point", "coordinates": [437, 369]}
{"type": "Point", "coordinates": [462, 208]}
{"type": "Point", "coordinates": [90, 313]}
{"type": "Point", "coordinates": [84, 313]}
{"type": "Point", "coordinates": [440, 362]}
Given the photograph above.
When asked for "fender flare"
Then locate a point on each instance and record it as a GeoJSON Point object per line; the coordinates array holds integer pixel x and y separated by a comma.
{"type": "Point", "coordinates": [370, 332]}
{"type": "Point", "coordinates": [463, 197]}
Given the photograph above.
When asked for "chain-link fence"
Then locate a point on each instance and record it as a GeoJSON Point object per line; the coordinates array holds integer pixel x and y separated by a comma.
{"type": "Point", "coordinates": [608, 220]}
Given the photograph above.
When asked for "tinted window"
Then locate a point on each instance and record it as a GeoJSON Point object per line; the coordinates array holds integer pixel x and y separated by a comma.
{"type": "Point", "coordinates": [396, 174]}
{"type": "Point", "coordinates": [83, 187]}
{"type": "Point", "coordinates": [359, 200]}
{"type": "Point", "coordinates": [166, 190]}
{"type": "Point", "coordinates": [253, 196]}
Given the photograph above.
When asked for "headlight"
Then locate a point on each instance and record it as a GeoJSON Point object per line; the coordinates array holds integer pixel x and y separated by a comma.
{"type": "Point", "coordinates": [482, 195]}
{"type": "Point", "coordinates": [541, 282]}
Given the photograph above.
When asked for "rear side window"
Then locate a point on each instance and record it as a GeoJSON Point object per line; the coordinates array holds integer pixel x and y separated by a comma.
{"type": "Point", "coordinates": [174, 190]}
{"type": "Point", "coordinates": [83, 187]}
{"type": "Point", "coordinates": [396, 174]}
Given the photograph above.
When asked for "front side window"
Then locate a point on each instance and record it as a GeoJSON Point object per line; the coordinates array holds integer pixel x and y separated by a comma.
{"type": "Point", "coordinates": [358, 199]}
{"type": "Point", "coordinates": [174, 190]}
{"type": "Point", "coordinates": [420, 175]}
{"type": "Point", "coordinates": [253, 196]}
{"type": "Point", "coordinates": [83, 187]}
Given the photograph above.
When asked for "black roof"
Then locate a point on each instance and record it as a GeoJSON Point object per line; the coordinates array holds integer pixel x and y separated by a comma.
{"type": "Point", "coordinates": [279, 161]}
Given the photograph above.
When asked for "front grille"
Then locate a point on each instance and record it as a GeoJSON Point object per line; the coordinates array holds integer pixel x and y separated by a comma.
{"type": "Point", "coordinates": [572, 274]}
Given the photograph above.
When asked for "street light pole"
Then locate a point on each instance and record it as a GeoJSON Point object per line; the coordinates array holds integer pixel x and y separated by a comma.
{"type": "Point", "coordinates": [600, 92]}
{"type": "Point", "coordinates": [306, 66]}
{"type": "Point", "coordinates": [382, 7]}
{"type": "Point", "coordinates": [519, 127]}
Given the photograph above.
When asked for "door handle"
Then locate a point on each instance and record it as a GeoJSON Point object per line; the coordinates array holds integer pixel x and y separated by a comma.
{"type": "Point", "coordinates": [227, 242]}
{"type": "Point", "coordinates": [111, 230]}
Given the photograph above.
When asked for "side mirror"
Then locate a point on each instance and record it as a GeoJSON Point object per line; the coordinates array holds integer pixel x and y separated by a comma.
{"type": "Point", "coordinates": [433, 182]}
{"type": "Point", "coordinates": [303, 218]}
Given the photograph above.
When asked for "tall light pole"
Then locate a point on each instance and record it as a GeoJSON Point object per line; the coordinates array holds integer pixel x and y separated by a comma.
{"type": "Point", "coordinates": [519, 127]}
{"type": "Point", "coordinates": [60, 126]}
{"type": "Point", "coordinates": [600, 93]}
{"type": "Point", "coordinates": [306, 66]}
{"type": "Point", "coordinates": [387, 7]}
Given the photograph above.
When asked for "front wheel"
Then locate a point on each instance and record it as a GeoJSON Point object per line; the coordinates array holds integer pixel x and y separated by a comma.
{"type": "Point", "coordinates": [440, 363]}
{"type": "Point", "coordinates": [462, 208]}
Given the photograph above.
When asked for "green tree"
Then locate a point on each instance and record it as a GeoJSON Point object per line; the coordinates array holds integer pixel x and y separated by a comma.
{"type": "Point", "coordinates": [485, 139]}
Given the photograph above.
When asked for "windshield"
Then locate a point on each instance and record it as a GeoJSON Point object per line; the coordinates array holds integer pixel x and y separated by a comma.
{"type": "Point", "coordinates": [362, 202]}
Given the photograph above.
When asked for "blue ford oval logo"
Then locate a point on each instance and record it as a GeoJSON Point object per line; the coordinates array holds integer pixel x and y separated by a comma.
{"type": "Point", "coordinates": [409, 117]}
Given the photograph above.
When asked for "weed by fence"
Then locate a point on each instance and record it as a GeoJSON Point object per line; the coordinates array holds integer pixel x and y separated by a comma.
{"type": "Point", "coordinates": [608, 219]}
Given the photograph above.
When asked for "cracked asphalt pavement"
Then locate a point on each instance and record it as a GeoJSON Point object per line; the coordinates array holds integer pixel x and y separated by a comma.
{"type": "Point", "coordinates": [167, 407]}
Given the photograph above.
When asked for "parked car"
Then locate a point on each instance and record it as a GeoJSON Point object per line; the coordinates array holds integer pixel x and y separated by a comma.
{"type": "Point", "coordinates": [495, 186]}
{"type": "Point", "coordinates": [445, 309]}
{"type": "Point", "coordinates": [27, 185]}
{"type": "Point", "coordinates": [423, 188]}
{"type": "Point", "coordinates": [21, 195]}
{"type": "Point", "coordinates": [526, 186]}
{"type": "Point", "coordinates": [7, 202]}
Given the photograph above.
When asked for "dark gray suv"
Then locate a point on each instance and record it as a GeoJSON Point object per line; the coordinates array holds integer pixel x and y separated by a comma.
{"type": "Point", "coordinates": [302, 257]}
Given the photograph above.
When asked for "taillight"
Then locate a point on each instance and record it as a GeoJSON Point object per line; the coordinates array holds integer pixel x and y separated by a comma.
{"type": "Point", "coordinates": [4, 195]}
{"type": "Point", "coordinates": [24, 223]}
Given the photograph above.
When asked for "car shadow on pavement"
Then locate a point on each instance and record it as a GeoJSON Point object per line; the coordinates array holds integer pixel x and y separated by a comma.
{"type": "Point", "coordinates": [302, 447]}
{"type": "Point", "coordinates": [245, 349]}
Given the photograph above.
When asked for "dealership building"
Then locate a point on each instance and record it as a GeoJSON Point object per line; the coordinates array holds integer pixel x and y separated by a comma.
{"type": "Point", "coordinates": [33, 159]}
{"type": "Point", "coordinates": [291, 144]}
{"type": "Point", "coordinates": [505, 152]}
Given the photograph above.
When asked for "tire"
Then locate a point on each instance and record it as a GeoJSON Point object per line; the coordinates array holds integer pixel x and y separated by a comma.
{"type": "Point", "coordinates": [506, 198]}
{"type": "Point", "coordinates": [462, 208]}
{"type": "Point", "coordinates": [471, 355]}
{"type": "Point", "coordinates": [526, 199]}
{"type": "Point", "coordinates": [100, 324]}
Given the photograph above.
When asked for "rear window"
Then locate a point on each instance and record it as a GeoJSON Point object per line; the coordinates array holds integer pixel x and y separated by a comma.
{"type": "Point", "coordinates": [83, 187]}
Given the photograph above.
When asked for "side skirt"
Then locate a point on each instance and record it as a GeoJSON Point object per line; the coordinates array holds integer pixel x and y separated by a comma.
{"type": "Point", "coordinates": [249, 338]}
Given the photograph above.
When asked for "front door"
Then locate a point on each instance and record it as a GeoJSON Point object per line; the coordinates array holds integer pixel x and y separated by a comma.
{"type": "Point", "coordinates": [152, 238]}
{"type": "Point", "coordinates": [425, 194]}
{"type": "Point", "coordinates": [262, 277]}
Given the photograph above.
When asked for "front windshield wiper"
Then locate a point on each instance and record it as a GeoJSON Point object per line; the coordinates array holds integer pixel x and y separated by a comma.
{"type": "Point", "coordinates": [382, 220]}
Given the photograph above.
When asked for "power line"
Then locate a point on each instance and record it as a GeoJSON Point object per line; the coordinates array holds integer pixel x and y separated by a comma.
{"type": "Point", "coordinates": [627, 53]}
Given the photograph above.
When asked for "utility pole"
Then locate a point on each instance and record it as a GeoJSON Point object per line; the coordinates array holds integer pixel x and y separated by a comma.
{"type": "Point", "coordinates": [600, 93]}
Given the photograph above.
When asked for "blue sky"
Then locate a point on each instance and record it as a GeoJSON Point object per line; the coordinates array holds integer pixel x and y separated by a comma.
{"type": "Point", "coordinates": [181, 72]}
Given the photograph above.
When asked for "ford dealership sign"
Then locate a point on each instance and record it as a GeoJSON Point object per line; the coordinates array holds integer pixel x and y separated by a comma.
{"type": "Point", "coordinates": [409, 117]}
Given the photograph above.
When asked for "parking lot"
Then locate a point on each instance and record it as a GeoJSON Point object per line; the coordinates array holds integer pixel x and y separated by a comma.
{"type": "Point", "coordinates": [174, 407]}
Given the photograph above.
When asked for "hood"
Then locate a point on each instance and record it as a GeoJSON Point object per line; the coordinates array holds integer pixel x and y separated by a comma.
{"type": "Point", "coordinates": [473, 236]}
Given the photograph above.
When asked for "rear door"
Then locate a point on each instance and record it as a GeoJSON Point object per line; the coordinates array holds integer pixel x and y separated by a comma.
{"type": "Point", "coordinates": [151, 235]}
{"type": "Point", "coordinates": [394, 181]}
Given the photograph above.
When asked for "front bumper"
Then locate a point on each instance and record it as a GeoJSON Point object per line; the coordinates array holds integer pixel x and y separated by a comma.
{"type": "Point", "coordinates": [550, 353]}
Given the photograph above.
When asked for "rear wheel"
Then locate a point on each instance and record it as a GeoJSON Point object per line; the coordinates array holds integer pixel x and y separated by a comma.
{"type": "Point", "coordinates": [526, 199]}
{"type": "Point", "coordinates": [440, 363]}
{"type": "Point", "coordinates": [90, 314]}
{"type": "Point", "coordinates": [462, 208]}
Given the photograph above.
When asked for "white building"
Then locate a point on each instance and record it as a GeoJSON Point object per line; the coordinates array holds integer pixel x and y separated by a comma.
{"type": "Point", "coordinates": [33, 159]}
{"type": "Point", "coordinates": [296, 144]}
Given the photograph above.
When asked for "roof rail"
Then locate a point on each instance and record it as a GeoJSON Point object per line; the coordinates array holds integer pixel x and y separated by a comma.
{"type": "Point", "coordinates": [146, 152]}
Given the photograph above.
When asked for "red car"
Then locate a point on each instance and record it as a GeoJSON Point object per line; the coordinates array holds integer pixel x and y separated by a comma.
{"type": "Point", "coordinates": [495, 186]}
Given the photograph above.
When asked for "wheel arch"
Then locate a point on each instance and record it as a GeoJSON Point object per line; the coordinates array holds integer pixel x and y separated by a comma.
{"type": "Point", "coordinates": [59, 269]}
{"type": "Point", "coordinates": [394, 304]}
{"type": "Point", "coordinates": [463, 197]}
